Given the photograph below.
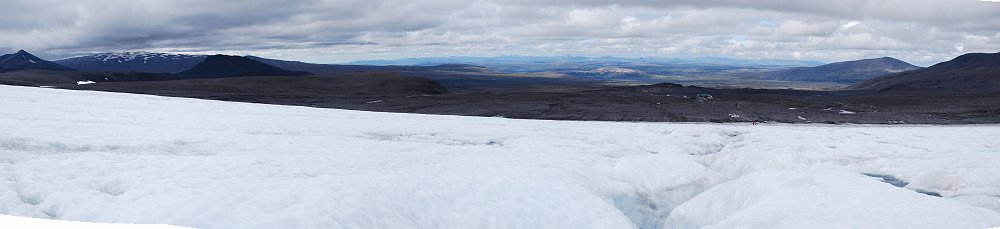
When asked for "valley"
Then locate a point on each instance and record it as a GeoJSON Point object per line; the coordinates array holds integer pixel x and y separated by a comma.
{"type": "Point", "coordinates": [624, 95]}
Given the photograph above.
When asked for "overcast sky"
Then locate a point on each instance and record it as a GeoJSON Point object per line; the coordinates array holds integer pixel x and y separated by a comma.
{"type": "Point", "coordinates": [333, 31]}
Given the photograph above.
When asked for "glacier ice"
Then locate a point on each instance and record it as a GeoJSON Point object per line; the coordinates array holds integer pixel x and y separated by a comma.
{"type": "Point", "coordinates": [122, 158]}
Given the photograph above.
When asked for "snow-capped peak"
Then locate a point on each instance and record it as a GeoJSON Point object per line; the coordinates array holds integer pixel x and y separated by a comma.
{"type": "Point", "coordinates": [130, 56]}
{"type": "Point", "coordinates": [137, 55]}
{"type": "Point", "coordinates": [138, 61]}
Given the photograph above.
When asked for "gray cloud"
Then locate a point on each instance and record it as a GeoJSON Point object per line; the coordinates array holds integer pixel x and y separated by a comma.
{"type": "Point", "coordinates": [920, 31]}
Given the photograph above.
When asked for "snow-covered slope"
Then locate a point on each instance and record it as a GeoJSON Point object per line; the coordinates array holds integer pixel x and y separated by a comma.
{"type": "Point", "coordinates": [138, 61]}
{"type": "Point", "coordinates": [119, 158]}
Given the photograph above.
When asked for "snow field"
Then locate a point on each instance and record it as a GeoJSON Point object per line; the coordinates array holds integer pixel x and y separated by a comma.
{"type": "Point", "coordinates": [15, 222]}
{"type": "Point", "coordinates": [119, 158]}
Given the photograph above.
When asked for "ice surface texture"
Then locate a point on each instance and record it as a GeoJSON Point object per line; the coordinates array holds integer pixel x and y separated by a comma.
{"type": "Point", "coordinates": [120, 158]}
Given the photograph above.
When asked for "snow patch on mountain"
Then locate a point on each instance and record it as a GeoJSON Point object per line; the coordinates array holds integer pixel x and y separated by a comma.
{"type": "Point", "coordinates": [612, 72]}
{"type": "Point", "coordinates": [121, 57]}
{"type": "Point", "coordinates": [137, 61]}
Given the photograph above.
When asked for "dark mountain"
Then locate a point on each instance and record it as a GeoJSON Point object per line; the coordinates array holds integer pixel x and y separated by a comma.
{"type": "Point", "coordinates": [969, 73]}
{"type": "Point", "coordinates": [133, 62]}
{"type": "Point", "coordinates": [289, 65]}
{"type": "Point", "coordinates": [843, 72]}
{"type": "Point", "coordinates": [25, 61]}
{"type": "Point", "coordinates": [223, 66]}
{"type": "Point", "coordinates": [316, 68]}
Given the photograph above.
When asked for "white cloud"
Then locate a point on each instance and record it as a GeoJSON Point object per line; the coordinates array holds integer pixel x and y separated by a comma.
{"type": "Point", "coordinates": [849, 25]}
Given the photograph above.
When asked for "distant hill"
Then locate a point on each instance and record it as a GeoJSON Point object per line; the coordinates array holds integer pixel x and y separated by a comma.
{"type": "Point", "coordinates": [303, 66]}
{"type": "Point", "coordinates": [223, 66]}
{"type": "Point", "coordinates": [842, 72]}
{"type": "Point", "coordinates": [339, 68]}
{"type": "Point", "coordinates": [690, 66]}
{"type": "Point", "coordinates": [564, 60]}
{"type": "Point", "coordinates": [133, 62]}
{"type": "Point", "coordinates": [969, 73]}
{"type": "Point", "coordinates": [22, 60]}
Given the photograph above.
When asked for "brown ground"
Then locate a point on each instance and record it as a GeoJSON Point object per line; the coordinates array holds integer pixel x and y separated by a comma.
{"type": "Point", "coordinates": [391, 92]}
{"type": "Point", "coordinates": [542, 98]}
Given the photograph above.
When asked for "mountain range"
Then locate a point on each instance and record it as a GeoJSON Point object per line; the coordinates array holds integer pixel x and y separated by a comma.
{"type": "Point", "coordinates": [572, 65]}
{"type": "Point", "coordinates": [974, 72]}
{"type": "Point", "coordinates": [22, 68]}
{"type": "Point", "coordinates": [140, 61]}
{"type": "Point", "coordinates": [842, 72]}
{"type": "Point", "coordinates": [487, 61]}
{"type": "Point", "coordinates": [133, 62]}
{"type": "Point", "coordinates": [969, 73]}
